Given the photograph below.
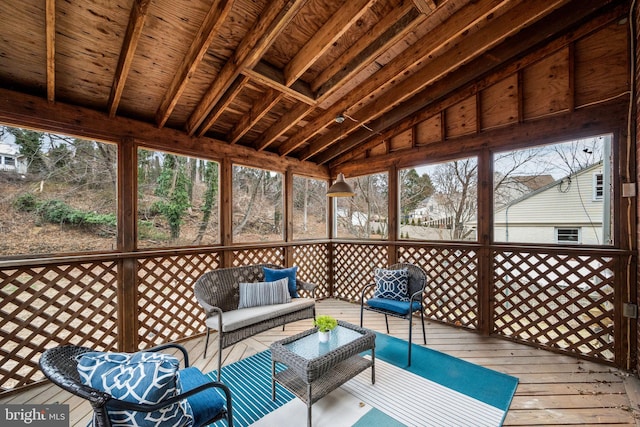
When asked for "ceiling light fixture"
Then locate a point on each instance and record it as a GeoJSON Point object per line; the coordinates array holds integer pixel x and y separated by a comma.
{"type": "Point", "coordinates": [340, 188]}
{"type": "Point", "coordinates": [339, 118]}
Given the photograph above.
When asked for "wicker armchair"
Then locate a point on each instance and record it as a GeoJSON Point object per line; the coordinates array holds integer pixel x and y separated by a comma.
{"type": "Point", "coordinates": [60, 365]}
{"type": "Point", "coordinates": [416, 284]}
{"type": "Point", "coordinates": [218, 294]}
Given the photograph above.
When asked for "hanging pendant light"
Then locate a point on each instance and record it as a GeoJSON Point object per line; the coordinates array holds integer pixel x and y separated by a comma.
{"type": "Point", "coordinates": [340, 188]}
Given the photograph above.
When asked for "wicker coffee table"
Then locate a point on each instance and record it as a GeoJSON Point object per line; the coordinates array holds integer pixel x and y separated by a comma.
{"type": "Point", "coordinates": [314, 369]}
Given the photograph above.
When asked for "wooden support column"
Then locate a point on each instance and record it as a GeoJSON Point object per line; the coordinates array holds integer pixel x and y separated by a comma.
{"type": "Point", "coordinates": [287, 192]}
{"type": "Point", "coordinates": [226, 211]}
{"type": "Point", "coordinates": [127, 292]}
{"type": "Point", "coordinates": [392, 215]}
{"type": "Point", "coordinates": [485, 259]}
{"type": "Point", "coordinates": [331, 203]}
{"type": "Point", "coordinates": [634, 149]}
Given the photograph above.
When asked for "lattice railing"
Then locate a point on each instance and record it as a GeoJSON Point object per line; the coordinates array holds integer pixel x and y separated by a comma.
{"type": "Point", "coordinates": [452, 286]}
{"type": "Point", "coordinates": [353, 266]}
{"type": "Point", "coordinates": [264, 255]}
{"type": "Point", "coordinates": [47, 306]}
{"type": "Point", "coordinates": [313, 266]}
{"type": "Point", "coordinates": [168, 310]}
{"type": "Point", "coordinates": [556, 300]}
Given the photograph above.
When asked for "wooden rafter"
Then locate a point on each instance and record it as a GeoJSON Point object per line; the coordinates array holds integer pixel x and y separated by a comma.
{"type": "Point", "coordinates": [425, 6]}
{"type": "Point", "coordinates": [224, 102]}
{"type": "Point", "coordinates": [387, 31]}
{"type": "Point", "coordinates": [207, 32]}
{"type": "Point", "coordinates": [423, 106]}
{"type": "Point", "coordinates": [270, 24]}
{"type": "Point", "coordinates": [134, 30]}
{"type": "Point", "coordinates": [51, 49]}
{"type": "Point", "coordinates": [430, 44]}
{"type": "Point", "coordinates": [335, 27]}
{"type": "Point", "coordinates": [258, 111]}
{"type": "Point", "coordinates": [286, 122]}
{"type": "Point", "coordinates": [274, 78]}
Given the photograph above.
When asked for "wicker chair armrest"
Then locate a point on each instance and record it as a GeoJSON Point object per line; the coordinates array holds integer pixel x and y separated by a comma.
{"type": "Point", "coordinates": [145, 407]}
{"type": "Point", "coordinates": [417, 295]}
{"type": "Point", "coordinates": [364, 291]}
{"type": "Point", "coordinates": [170, 345]}
{"type": "Point", "coordinates": [307, 286]}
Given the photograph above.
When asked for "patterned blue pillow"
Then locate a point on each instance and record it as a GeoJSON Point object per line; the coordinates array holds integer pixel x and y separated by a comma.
{"type": "Point", "coordinates": [143, 377]}
{"type": "Point", "coordinates": [391, 284]}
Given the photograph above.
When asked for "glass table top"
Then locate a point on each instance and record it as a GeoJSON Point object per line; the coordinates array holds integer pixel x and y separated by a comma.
{"type": "Point", "coordinates": [310, 346]}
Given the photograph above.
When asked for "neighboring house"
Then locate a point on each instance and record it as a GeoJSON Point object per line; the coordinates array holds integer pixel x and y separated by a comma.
{"type": "Point", "coordinates": [567, 211]}
{"type": "Point", "coordinates": [11, 160]}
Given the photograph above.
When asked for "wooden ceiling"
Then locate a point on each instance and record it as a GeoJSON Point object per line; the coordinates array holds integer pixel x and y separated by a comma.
{"type": "Point", "coordinates": [270, 75]}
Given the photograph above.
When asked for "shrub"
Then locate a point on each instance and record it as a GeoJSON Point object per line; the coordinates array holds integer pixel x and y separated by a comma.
{"type": "Point", "coordinates": [26, 202]}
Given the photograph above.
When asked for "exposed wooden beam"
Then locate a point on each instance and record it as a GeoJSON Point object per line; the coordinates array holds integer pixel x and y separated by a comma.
{"type": "Point", "coordinates": [206, 34]}
{"type": "Point", "coordinates": [434, 42]}
{"type": "Point", "coordinates": [134, 30]}
{"type": "Point", "coordinates": [34, 112]}
{"type": "Point", "coordinates": [466, 82]}
{"type": "Point", "coordinates": [467, 47]}
{"type": "Point", "coordinates": [274, 78]}
{"type": "Point", "coordinates": [258, 111]}
{"type": "Point", "coordinates": [223, 103]}
{"type": "Point", "coordinates": [286, 122]}
{"type": "Point", "coordinates": [386, 32]}
{"type": "Point", "coordinates": [425, 6]}
{"type": "Point", "coordinates": [271, 22]}
{"type": "Point", "coordinates": [322, 40]}
{"type": "Point", "coordinates": [581, 123]}
{"type": "Point", "coordinates": [50, 23]}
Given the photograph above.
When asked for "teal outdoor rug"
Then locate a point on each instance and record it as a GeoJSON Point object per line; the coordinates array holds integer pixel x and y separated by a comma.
{"type": "Point", "coordinates": [436, 390]}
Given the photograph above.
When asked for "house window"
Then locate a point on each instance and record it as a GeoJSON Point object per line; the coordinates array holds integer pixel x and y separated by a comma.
{"type": "Point", "coordinates": [568, 235]}
{"type": "Point", "coordinates": [598, 186]}
{"type": "Point", "coordinates": [9, 161]}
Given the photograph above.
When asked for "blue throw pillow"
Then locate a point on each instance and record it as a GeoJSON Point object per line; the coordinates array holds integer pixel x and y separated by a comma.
{"type": "Point", "coordinates": [392, 284]}
{"type": "Point", "coordinates": [143, 377]}
{"type": "Point", "coordinates": [273, 274]}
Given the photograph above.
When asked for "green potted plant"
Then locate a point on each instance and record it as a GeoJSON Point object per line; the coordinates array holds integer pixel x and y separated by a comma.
{"type": "Point", "coordinates": [325, 325]}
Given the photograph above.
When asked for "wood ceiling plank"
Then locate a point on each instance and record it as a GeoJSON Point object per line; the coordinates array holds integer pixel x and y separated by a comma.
{"type": "Point", "coordinates": [507, 24]}
{"type": "Point", "coordinates": [50, 8]}
{"type": "Point", "coordinates": [206, 34]}
{"type": "Point", "coordinates": [322, 40]}
{"type": "Point", "coordinates": [436, 40]}
{"type": "Point", "coordinates": [386, 32]}
{"type": "Point", "coordinates": [258, 111]}
{"type": "Point", "coordinates": [137, 17]}
{"type": "Point", "coordinates": [432, 99]}
{"type": "Point", "coordinates": [271, 22]}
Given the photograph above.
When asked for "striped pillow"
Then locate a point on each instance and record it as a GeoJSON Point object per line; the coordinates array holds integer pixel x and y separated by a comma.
{"type": "Point", "coordinates": [264, 293]}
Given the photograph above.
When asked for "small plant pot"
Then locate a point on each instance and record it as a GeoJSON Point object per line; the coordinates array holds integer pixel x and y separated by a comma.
{"type": "Point", "coordinates": [324, 336]}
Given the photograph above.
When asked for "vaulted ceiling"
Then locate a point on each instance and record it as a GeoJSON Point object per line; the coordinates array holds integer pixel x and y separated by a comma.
{"type": "Point", "coordinates": [308, 79]}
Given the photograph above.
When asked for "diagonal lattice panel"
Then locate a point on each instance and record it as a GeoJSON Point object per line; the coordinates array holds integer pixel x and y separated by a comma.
{"type": "Point", "coordinates": [560, 301]}
{"type": "Point", "coordinates": [46, 306]}
{"type": "Point", "coordinates": [452, 284]}
{"type": "Point", "coordinates": [313, 266]}
{"type": "Point", "coordinates": [274, 255]}
{"type": "Point", "coordinates": [167, 308]}
{"type": "Point", "coordinates": [353, 268]}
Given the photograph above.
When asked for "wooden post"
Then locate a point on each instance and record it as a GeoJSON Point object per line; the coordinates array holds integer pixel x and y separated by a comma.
{"type": "Point", "coordinates": [127, 292]}
{"type": "Point", "coordinates": [392, 214]}
{"type": "Point", "coordinates": [226, 211]}
{"type": "Point", "coordinates": [485, 227]}
{"type": "Point", "coordinates": [287, 192]}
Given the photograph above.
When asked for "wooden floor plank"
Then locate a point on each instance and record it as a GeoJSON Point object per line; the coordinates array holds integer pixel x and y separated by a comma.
{"type": "Point", "coordinates": [554, 389]}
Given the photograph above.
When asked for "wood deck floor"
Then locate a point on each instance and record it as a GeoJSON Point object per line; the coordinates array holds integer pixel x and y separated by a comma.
{"type": "Point", "coordinates": [554, 390]}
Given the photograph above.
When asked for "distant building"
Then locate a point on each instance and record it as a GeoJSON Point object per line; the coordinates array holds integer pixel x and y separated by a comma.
{"type": "Point", "coordinates": [11, 160]}
{"type": "Point", "coordinates": [566, 211]}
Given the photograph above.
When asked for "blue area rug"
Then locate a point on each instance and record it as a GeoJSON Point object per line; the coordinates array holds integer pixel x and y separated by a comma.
{"type": "Point", "coordinates": [436, 390]}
